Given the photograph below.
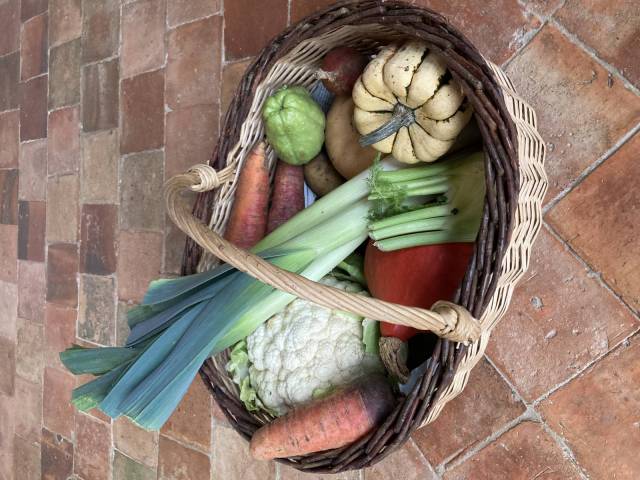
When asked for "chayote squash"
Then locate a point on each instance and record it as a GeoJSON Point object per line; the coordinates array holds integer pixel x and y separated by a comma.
{"type": "Point", "coordinates": [294, 124]}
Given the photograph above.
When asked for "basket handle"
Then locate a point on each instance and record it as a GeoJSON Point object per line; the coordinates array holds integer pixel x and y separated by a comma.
{"type": "Point", "coordinates": [445, 319]}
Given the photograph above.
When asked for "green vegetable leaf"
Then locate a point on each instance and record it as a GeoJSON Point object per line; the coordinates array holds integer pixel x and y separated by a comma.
{"type": "Point", "coordinates": [238, 365]}
{"type": "Point", "coordinates": [96, 361]}
{"type": "Point", "coordinates": [371, 336]}
{"type": "Point", "coordinates": [351, 269]}
{"type": "Point", "coordinates": [89, 395]}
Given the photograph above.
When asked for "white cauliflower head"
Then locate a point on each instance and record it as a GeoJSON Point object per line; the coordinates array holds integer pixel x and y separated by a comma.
{"type": "Point", "coordinates": [306, 350]}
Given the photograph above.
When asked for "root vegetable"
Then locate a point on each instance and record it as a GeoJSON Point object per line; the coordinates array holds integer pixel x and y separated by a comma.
{"type": "Point", "coordinates": [340, 69]}
{"type": "Point", "coordinates": [288, 194]}
{"type": "Point", "coordinates": [248, 219]}
{"type": "Point", "coordinates": [331, 422]}
{"type": "Point", "coordinates": [346, 154]}
{"type": "Point", "coordinates": [321, 176]}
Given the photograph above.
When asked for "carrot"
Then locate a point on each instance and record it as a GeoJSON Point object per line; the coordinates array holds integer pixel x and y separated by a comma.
{"type": "Point", "coordinates": [331, 422]}
{"type": "Point", "coordinates": [288, 194]}
{"type": "Point", "coordinates": [248, 219]}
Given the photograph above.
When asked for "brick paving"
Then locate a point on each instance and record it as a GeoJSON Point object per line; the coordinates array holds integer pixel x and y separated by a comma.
{"type": "Point", "coordinates": [100, 102]}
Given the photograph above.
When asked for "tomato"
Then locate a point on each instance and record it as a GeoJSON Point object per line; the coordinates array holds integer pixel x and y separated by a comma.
{"type": "Point", "coordinates": [417, 277]}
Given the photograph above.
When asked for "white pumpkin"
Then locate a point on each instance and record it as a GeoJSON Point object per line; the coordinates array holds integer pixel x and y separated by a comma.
{"type": "Point", "coordinates": [408, 105]}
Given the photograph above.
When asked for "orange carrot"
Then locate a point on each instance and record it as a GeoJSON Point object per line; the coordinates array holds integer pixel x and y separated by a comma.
{"type": "Point", "coordinates": [288, 194]}
{"type": "Point", "coordinates": [248, 219]}
{"type": "Point", "coordinates": [331, 422]}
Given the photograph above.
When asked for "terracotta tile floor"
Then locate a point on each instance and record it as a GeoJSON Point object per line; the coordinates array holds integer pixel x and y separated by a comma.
{"type": "Point", "coordinates": [101, 101]}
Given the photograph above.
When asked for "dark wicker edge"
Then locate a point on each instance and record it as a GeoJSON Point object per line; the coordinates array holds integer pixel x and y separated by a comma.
{"type": "Point", "coordinates": [502, 174]}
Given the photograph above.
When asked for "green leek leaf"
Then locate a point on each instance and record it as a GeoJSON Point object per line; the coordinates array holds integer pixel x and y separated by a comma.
{"type": "Point", "coordinates": [148, 361]}
{"type": "Point", "coordinates": [95, 361]}
{"type": "Point", "coordinates": [88, 396]}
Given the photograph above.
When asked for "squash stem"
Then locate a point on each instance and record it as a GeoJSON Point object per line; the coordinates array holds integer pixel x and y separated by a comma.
{"type": "Point", "coordinates": [403, 116]}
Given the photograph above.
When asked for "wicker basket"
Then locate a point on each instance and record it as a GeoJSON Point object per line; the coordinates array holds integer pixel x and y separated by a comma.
{"type": "Point", "coordinates": [516, 184]}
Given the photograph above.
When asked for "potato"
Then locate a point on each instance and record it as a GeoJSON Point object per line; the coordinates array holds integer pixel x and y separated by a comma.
{"type": "Point", "coordinates": [321, 176]}
{"type": "Point", "coordinates": [341, 140]}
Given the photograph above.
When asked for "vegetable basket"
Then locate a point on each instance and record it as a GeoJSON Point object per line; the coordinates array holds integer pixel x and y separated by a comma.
{"type": "Point", "coordinates": [515, 186]}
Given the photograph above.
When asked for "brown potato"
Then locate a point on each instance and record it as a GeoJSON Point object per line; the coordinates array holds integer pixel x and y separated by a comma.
{"type": "Point", "coordinates": [321, 176]}
{"type": "Point", "coordinates": [341, 140]}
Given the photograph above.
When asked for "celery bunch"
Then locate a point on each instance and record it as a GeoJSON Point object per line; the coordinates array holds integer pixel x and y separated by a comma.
{"type": "Point", "coordinates": [429, 204]}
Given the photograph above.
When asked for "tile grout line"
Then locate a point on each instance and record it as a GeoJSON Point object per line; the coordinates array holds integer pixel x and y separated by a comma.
{"type": "Point", "coordinates": [591, 272]}
{"type": "Point", "coordinates": [13, 52]}
{"type": "Point", "coordinates": [169, 28]}
{"type": "Point", "coordinates": [136, 74]}
{"type": "Point", "coordinates": [528, 38]}
{"type": "Point", "coordinates": [550, 19]}
{"type": "Point", "coordinates": [223, 63]}
{"type": "Point", "coordinates": [237, 60]}
{"type": "Point", "coordinates": [462, 456]}
{"type": "Point", "coordinates": [544, 21]}
{"type": "Point", "coordinates": [425, 461]}
{"type": "Point", "coordinates": [100, 60]}
{"type": "Point", "coordinates": [64, 107]}
{"type": "Point", "coordinates": [584, 371]}
{"type": "Point", "coordinates": [532, 406]}
{"type": "Point", "coordinates": [508, 381]}
{"type": "Point", "coordinates": [564, 447]}
{"type": "Point", "coordinates": [562, 443]}
{"type": "Point", "coordinates": [594, 55]}
{"type": "Point", "coordinates": [188, 445]}
{"type": "Point", "coordinates": [528, 8]}
{"type": "Point", "coordinates": [589, 169]}
{"type": "Point", "coordinates": [45, 245]}
{"type": "Point", "coordinates": [167, 110]}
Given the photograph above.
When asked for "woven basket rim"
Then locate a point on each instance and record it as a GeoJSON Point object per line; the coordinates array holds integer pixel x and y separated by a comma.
{"type": "Point", "coordinates": [451, 363]}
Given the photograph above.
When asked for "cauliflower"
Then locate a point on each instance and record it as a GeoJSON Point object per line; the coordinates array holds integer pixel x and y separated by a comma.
{"type": "Point", "coordinates": [305, 351]}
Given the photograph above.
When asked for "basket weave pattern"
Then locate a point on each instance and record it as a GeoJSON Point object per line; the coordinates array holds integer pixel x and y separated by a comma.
{"type": "Point", "coordinates": [516, 184]}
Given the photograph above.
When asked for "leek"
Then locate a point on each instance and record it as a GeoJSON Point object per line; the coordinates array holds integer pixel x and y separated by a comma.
{"type": "Point", "coordinates": [183, 321]}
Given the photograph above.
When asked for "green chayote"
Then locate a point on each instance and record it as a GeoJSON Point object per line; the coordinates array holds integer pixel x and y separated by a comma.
{"type": "Point", "coordinates": [294, 123]}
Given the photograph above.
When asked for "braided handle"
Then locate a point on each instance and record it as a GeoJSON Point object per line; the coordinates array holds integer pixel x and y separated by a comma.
{"type": "Point", "coordinates": [445, 319]}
